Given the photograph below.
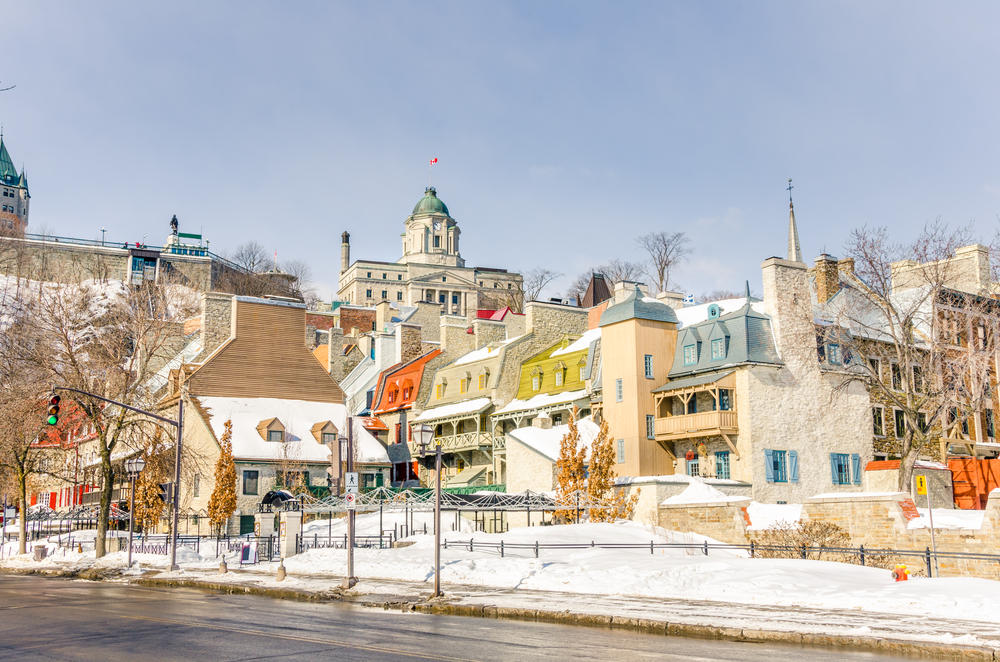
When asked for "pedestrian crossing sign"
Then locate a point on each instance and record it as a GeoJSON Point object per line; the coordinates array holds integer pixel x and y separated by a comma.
{"type": "Point", "coordinates": [921, 485]}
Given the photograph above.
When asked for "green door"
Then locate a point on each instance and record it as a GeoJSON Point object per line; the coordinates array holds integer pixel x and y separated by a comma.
{"type": "Point", "coordinates": [378, 479]}
{"type": "Point", "coordinates": [246, 524]}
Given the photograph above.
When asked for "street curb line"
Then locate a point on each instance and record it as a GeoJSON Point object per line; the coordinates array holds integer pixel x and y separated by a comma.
{"type": "Point", "coordinates": [644, 625]}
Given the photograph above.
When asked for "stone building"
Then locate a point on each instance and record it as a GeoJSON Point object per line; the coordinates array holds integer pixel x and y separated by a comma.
{"type": "Point", "coordinates": [14, 197]}
{"type": "Point", "coordinates": [431, 269]}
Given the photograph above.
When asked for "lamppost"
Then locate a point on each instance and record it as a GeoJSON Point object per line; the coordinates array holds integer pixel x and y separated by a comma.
{"type": "Point", "coordinates": [425, 434]}
{"type": "Point", "coordinates": [133, 468]}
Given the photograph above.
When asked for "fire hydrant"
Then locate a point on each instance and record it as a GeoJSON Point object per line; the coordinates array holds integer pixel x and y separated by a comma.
{"type": "Point", "coordinates": [900, 573]}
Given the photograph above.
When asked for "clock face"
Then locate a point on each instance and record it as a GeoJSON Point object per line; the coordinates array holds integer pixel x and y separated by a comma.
{"type": "Point", "coordinates": [437, 225]}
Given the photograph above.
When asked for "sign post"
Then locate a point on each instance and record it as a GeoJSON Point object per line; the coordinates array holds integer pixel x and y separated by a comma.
{"type": "Point", "coordinates": [921, 488]}
{"type": "Point", "coordinates": [350, 498]}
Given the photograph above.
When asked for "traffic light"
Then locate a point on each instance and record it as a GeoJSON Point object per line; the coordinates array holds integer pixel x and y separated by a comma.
{"type": "Point", "coordinates": [166, 493]}
{"type": "Point", "coordinates": [53, 418]}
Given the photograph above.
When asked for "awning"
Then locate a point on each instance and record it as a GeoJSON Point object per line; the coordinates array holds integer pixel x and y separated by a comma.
{"type": "Point", "coordinates": [690, 382]}
{"type": "Point", "coordinates": [372, 423]}
{"type": "Point", "coordinates": [541, 401]}
{"type": "Point", "coordinates": [462, 409]}
{"type": "Point", "coordinates": [467, 477]}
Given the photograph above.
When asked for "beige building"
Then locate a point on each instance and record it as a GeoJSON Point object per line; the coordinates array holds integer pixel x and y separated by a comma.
{"type": "Point", "coordinates": [431, 269]}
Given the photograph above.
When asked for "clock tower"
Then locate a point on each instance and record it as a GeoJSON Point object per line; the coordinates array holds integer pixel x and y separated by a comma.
{"type": "Point", "coordinates": [431, 235]}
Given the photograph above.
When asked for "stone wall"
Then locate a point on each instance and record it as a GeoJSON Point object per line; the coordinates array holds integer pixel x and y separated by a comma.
{"type": "Point", "coordinates": [455, 337]}
{"type": "Point", "coordinates": [489, 331]}
{"type": "Point", "coordinates": [428, 316]}
{"type": "Point", "coordinates": [216, 320]}
{"type": "Point", "coordinates": [725, 521]}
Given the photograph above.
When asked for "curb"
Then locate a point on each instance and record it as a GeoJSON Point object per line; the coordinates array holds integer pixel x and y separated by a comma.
{"type": "Point", "coordinates": [643, 625]}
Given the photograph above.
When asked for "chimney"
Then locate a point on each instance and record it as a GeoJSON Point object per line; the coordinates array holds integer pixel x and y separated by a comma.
{"type": "Point", "coordinates": [827, 278]}
{"type": "Point", "coordinates": [788, 303]}
{"type": "Point", "coordinates": [543, 421]}
{"type": "Point", "coordinates": [489, 332]}
{"type": "Point", "coordinates": [455, 336]}
{"type": "Point", "coordinates": [626, 287]}
{"type": "Point", "coordinates": [345, 252]}
{"type": "Point", "coordinates": [383, 316]}
{"type": "Point", "coordinates": [335, 354]}
{"type": "Point", "coordinates": [408, 345]}
{"type": "Point", "coordinates": [216, 320]}
{"type": "Point", "coordinates": [673, 299]}
{"type": "Point", "coordinates": [846, 265]}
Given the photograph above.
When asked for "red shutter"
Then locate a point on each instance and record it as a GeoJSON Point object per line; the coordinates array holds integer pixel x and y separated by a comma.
{"type": "Point", "coordinates": [52, 500]}
{"type": "Point", "coordinates": [34, 499]}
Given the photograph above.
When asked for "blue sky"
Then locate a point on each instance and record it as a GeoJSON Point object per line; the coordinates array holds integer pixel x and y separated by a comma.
{"type": "Point", "coordinates": [563, 129]}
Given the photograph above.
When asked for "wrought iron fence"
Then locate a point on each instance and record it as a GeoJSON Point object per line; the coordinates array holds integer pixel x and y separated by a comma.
{"type": "Point", "coordinates": [304, 543]}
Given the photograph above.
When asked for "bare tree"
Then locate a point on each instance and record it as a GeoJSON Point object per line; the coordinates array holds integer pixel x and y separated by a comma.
{"type": "Point", "coordinates": [529, 288]}
{"type": "Point", "coordinates": [252, 256]}
{"type": "Point", "coordinates": [722, 295]}
{"type": "Point", "coordinates": [302, 286]}
{"type": "Point", "coordinates": [922, 342]}
{"type": "Point", "coordinates": [618, 271]}
{"type": "Point", "coordinates": [666, 250]}
{"type": "Point", "coordinates": [578, 288]}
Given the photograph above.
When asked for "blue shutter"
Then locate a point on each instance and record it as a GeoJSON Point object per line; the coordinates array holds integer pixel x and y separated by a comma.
{"type": "Point", "coordinates": [793, 466]}
{"type": "Point", "coordinates": [833, 469]}
{"type": "Point", "coordinates": [856, 468]}
{"type": "Point", "coordinates": [769, 465]}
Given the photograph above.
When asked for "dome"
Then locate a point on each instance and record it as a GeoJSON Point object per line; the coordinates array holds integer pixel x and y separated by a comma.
{"type": "Point", "coordinates": [430, 204]}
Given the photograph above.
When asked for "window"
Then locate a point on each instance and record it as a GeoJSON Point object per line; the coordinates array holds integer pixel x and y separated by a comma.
{"type": "Point", "coordinates": [897, 377]}
{"type": "Point", "coordinates": [650, 427]}
{"type": "Point", "coordinates": [250, 482]}
{"type": "Point", "coordinates": [444, 279]}
{"type": "Point", "coordinates": [840, 468]}
{"type": "Point", "coordinates": [692, 404]}
{"type": "Point", "coordinates": [922, 423]}
{"type": "Point", "coordinates": [196, 486]}
{"type": "Point", "coordinates": [722, 465]}
{"type": "Point", "coordinates": [385, 295]}
{"type": "Point", "coordinates": [406, 392]}
{"type": "Point", "coordinates": [621, 451]}
{"type": "Point", "coordinates": [440, 391]}
{"type": "Point", "coordinates": [329, 438]}
{"type": "Point", "coordinates": [441, 298]}
{"type": "Point", "coordinates": [583, 373]}
{"type": "Point", "coordinates": [989, 423]}
{"type": "Point", "coordinates": [437, 242]}
{"type": "Point", "coordinates": [900, 422]}
{"type": "Point", "coordinates": [482, 382]}
{"type": "Point", "coordinates": [369, 274]}
{"type": "Point", "coordinates": [559, 377]}
{"type": "Point", "coordinates": [693, 467]}
{"type": "Point", "coordinates": [876, 367]}
{"type": "Point", "coordinates": [690, 356]}
{"type": "Point", "coordinates": [718, 348]}
{"type": "Point", "coordinates": [384, 276]}
{"type": "Point", "coordinates": [619, 391]}
{"type": "Point", "coordinates": [833, 354]}
{"type": "Point", "coordinates": [454, 298]}
{"type": "Point", "coordinates": [725, 399]}
{"type": "Point", "coordinates": [399, 276]}
{"type": "Point", "coordinates": [536, 382]}
{"type": "Point", "coordinates": [776, 466]}
{"type": "Point", "coordinates": [275, 435]}
{"type": "Point", "coordinates": [463, 386]}
{"type": "Point", "coordinates": [392, 396]}
{"type": "Point", "coordinates": [399, 296]}
{"type": "Point", "coordinates": [368, 294]}
{"type": "Point", "coordinates": [878, 424]}
{"type": "Point", "coordinates": [648, 365]}
{"type": "Point", "coordinates": [918, 379]}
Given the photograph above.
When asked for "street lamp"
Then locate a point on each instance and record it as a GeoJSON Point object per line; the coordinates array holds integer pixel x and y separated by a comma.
{"type": "Point", "coordinates": [133, 468]}
{"type": "Point", "coordinates": [425, 434]}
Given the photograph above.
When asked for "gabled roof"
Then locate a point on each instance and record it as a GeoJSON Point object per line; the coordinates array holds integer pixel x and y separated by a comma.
{"type": "Point", "coordinates": [399, 378]}
{"type": "Point", "coordinates": [597, 291]}
{"type": "Point", "coordinates": [637, 306]}
{"type": "Point", "coordinates": [745, 334]}
{"type": "Point", "coordinates": [495, 315]}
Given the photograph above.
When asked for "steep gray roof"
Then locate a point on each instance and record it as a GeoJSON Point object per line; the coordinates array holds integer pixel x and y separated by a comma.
{"type": "Point", "coordinates": [636, 307]}
{"type": "Point", "coordinates": [746, 336]}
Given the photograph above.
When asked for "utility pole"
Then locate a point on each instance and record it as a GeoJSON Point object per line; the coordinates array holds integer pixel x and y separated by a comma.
{"type": "Point", "coordinates": [350, 580]}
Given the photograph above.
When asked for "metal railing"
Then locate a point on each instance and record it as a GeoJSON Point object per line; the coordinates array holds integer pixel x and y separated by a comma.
{"type": "Point", "coordinates": [304, 543]}
{"type": "Point", "coordinates": [861, 553]}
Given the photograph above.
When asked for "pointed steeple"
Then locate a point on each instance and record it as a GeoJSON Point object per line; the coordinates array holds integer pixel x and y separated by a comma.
{"type": "Point", "coordinates": [8, 173]}
{"type": "Point", "coordinates": [794, 251]}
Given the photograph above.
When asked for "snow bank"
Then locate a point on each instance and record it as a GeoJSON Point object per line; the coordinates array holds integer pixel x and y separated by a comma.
{"type": "Point", "coordinates": [765, 515]}
{"type": "Point", "coordinates": [698, 491]}
{"type": "Point", "coordinates": [946, 518]}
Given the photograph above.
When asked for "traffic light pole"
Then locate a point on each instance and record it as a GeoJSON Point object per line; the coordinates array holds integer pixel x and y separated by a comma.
{"type": "Point", "coordinates": [179, 425]}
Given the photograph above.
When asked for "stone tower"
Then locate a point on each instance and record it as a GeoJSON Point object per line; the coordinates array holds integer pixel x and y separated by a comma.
{"type": "Point", "coordinates": [14, 197]}
{"type": "Point", "coordinates": [431, 235]}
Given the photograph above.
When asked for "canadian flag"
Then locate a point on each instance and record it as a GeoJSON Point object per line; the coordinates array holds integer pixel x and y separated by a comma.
{"type": "Point", "coordinates": [433, 161]}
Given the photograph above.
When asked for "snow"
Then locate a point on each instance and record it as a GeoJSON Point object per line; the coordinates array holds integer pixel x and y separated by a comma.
{"type": "Point", "coordinates": [946, 518]}
{"type": "Point", "coordinates": [484, 352]}
{"type": "Point", "coordinates": [674, 479]}
{"type": "Point", "coordinates": [457, 409]}
{"type": "Point", "coordinates": [298, 417]}
{"type": "Point", "coordinates": [580, 344]}
{"type": "Point", "coordinates": [547, 442]}
{"type": "Point", "coordinates": [694, 314]}
{"type": "Point", "coordinates": [766, 515]}
{"type": "Point", "coordinates": [698, 491]}
{"type": "Point", "coordinates": [542, 400]}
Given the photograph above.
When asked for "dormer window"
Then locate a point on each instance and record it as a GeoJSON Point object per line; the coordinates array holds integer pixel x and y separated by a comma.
{"type": "Point", "coordinates": [718, 349]}
{"type": "Point", "coordinates": [833, 354]}
{"type": "Point", "coordinates": [275, 435]}
{"type": "Point", "coordinates": [690, 355]}
{"type": "Point", "coordinates": [536, 379]}
{"type": "Point", "coordinates": [271, 430]}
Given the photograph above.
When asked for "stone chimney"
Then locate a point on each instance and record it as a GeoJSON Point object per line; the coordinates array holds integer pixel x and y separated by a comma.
{"type": "Point", "coordinates": [455, 336]}
{"type": "Point", "coordinates": [543, 421]}
{"type": "Point", "coordinates": [335, 354]}
{"type": "Point", "coordinates": [216, 320]}
{"type": "Point", "coordinates": [428, 318]}
{"type": "Point", "coordinates": [827, 275]}
{"type": "Point", "coordinates": [383, 316]}
{"type": "Point", "coordinates": [789, 305]}
{"type": "Point", "coordinates": [345, 252]}
{"type": "Point", "coordinates": [488, 332]}
{"type": "Point", "coordinates": [547, 320]}
{"type": "Point", "coordinates": [626, 287]}
{"type": "Point", "coordinates": [846, 265]}
{"type": "Point", "coordinates": [408, 346]}
{"type": "Point", "coordinates": [673, 299]}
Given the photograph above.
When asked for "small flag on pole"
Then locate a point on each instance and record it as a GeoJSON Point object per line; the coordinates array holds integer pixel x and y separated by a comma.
{"type": "Point", "coordinates": [433, 161]}
{"type": "Point", "coordinates": [430, 171]}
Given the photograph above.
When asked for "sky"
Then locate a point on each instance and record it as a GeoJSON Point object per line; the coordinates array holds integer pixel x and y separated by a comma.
{"type": "Point", "coordinates": [563, 130]}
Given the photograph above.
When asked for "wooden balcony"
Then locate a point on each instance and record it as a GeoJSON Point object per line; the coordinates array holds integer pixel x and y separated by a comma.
{"type": "Point", "coordinates": [702, 424]}
{"type": "Point", "coordinates": [464, 441]}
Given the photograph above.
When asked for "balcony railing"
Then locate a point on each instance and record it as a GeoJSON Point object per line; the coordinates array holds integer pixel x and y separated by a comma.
{"type": "Point", "coordinates": [460, 442]}
{"type": "Point", "coordinates": [702, 424]}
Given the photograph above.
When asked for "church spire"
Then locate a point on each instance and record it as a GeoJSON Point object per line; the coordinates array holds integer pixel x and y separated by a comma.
{"type": "Point", "coordinates": [794, 252]}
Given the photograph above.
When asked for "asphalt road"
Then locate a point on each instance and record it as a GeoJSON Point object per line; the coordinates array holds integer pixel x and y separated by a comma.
{"type": "Point", "coordinates": [58, 619]}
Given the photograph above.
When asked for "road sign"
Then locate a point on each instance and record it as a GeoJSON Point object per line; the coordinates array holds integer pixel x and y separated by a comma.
{"type": "Point", "coordinates": [351, 498]}
{"type": "Point", "coordinates": [352, 482]}
{"type": "Point", "coordinates": [921, 485]}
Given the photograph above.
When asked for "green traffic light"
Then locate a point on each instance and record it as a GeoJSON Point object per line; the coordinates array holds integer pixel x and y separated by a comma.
{"type": "Point", "coordinates": [53, 420]}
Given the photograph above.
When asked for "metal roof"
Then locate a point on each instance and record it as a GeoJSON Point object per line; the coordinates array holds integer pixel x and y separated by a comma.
{"type": "Point", "coordinates": [636, 307]}
{"type": "Point", "coordinates": [688, 382]}
{"type": "Point", "coordinates": [746, 337]}
{"type": "Point", "coordinates": [430, 204]}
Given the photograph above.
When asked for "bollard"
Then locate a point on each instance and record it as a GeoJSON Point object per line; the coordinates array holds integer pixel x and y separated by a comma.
{"type": "Point", "coordinates": [706, 548]}
{"type": "Point", "coordinates": [501, 549]}
{"type": "Point", "coordinates": [536, 549]}
{"type": "Point", "coordinates": [928, 558]}
{"type": "Point", "coordinates": [651, 547]}
{"type": "Point", "coordinates": [862, 548]}
{"type": "Point", "coordinates": [751, 549]}
{"type": "Point", "coordinates": [223, 568]}
{"type": "Point", "coordinates": [281, 571]}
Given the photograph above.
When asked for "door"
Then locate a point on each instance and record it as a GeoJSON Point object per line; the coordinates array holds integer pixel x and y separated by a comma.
{"type": "Point", "coordinates": [246, 524]}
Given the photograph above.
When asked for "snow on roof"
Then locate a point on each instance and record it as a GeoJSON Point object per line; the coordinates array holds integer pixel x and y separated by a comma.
{"type": "Point", "coordinates": [484, 352]}
{"type": "Point", "coordinates": [464, 407]}
{"type": "Point", "coordinates": [547, 442]}
{"type": "Point", "coordinates": [298, 417]}
{"type": "Point", "coordinates": [694, 314]}
{"type": "Point", "coordinates": [698, 491]}
{"type": "Point", "coordinates": [580, 344]}
{"type": "Point", "coordinates": [542, 400]}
